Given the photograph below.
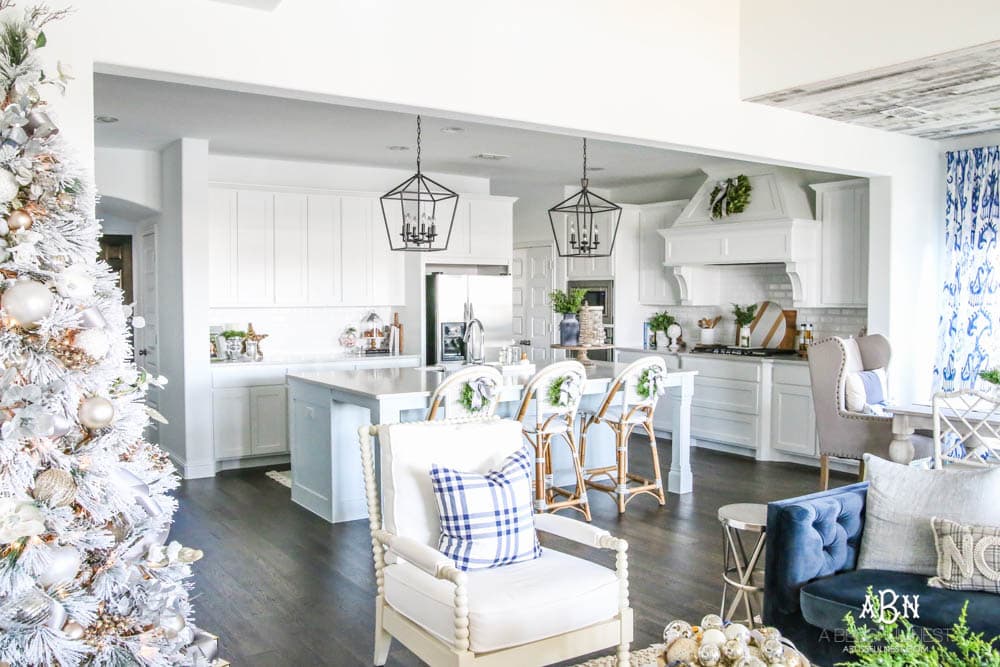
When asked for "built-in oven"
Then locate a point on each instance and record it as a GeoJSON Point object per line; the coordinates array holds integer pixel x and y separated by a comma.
{"type": "Point", "coordinates": [600, 293]}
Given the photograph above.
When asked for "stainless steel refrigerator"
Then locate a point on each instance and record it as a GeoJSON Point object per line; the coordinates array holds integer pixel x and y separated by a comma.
{"type": "Point", "coordinates": [450, 298]}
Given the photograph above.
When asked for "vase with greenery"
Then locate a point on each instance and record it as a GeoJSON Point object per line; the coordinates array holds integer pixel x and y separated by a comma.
{"type": "Point", "coordinates": [744, 317]}
{"type": "Point", "coordinates": [659, 323]}
{"type": "Point", "coordinates": [234, 343]}
{"type": "Point", "coordinates": [568, 304]}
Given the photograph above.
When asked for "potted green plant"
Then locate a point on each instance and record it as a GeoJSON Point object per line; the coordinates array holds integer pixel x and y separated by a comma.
{"type": "Point", "coordinates": [744, 317]}
{"type": "Point", "coordinates": [568, 304]}
{"type": "Point", "coordinates": [659, 323]}
{"type": "Point", "coordinates": [234, 343]}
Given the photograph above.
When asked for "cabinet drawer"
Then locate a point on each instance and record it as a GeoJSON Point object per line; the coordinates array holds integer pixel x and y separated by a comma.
{"type": "Point", "coordinates": [731, 428]}
{"type": "Point", "coordinates": [729, 395]}
{"type": "Point", "coordinates": [248, 376]}
{"type": "Point", "coordinates": [797, 374]}
{"type": "Point", "coordinates": [748, 371]}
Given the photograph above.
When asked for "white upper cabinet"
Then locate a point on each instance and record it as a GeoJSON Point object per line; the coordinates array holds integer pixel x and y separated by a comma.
{"type": "Point", "coordinates": [254, 247]}
{"type": "Point", "coordinates": [656, 287]}
{"type": "Point", "coordinates": [323, 263]}
{"type": "Point", "coordinates": [578, 268]}
{"type": "Point", "coordinates": [842, 207]}
{"type": "Point", "coordinates": [492, 227]}
{"type": "Point", "coordinates": [386, 278]}
{"type": "Point", "coordinates": [222, 246]}
{"type": "Point", "coordinates": [291, 243]}
{"type": "Point", "coordinates": [356, 256]}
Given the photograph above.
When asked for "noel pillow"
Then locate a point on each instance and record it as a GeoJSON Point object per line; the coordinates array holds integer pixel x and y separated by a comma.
{"type": "Point", "coordinates": [487, 520]}
{"type": "Point", "coordinates": [865, 391]}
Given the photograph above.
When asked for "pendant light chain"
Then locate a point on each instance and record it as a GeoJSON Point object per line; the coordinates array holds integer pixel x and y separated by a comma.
{"type": "Point", "coordinates": [418, 144]}
{"type": "Point", "coordinates": [584, 158]}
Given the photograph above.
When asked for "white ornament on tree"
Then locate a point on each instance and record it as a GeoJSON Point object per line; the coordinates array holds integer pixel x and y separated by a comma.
{"type": "Point", "coordinates": [96, 412]}
{"type": "Point", "coordinates": [62, 567]}
{"type": "Point", "coordinates": [94, 343]}
{"type": "Point", "coordinates": [75, 282]}
{"type": "Point", "coordinates": [8, 186]}
{"type": "Point", "coordinates": [27, 302]}
{"type": "Point", "coordinates": [19, 518]}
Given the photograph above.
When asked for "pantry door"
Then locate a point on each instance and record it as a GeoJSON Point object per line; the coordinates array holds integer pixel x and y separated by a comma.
{"type": "Point", "coordinates": [533, 279]}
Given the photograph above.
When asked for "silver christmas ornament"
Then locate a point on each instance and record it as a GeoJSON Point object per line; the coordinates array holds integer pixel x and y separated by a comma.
{"type": "Point", "coordinates": [27, 302]}
{"type": "Point", "coordinates": [773, 650]}
{"type": "Point", "coordinates": [8, 186]}
{"type": "Point", "coordinates": [709, 655]}
{"type": "Point", "coordinates": [738, 631]}
{"type": "Point", "coordinates": [172, 623]}
{"type": "Point", "coordinates": [734, 650]}
{"type": "Point", "coordinates": [682, 628]}
{"type": "Point", "coordinates": [61, 425]}
{"type": "Point", "coordinates": [41, 125]}
{"type": "Point", "coordinates": [73, 630]}
{"type": "Point", "coordinates": [55, 487]}
{"type": "Point", "coordinates": [709, 621]}
{"type": "Point", "coordinates": [91, 318]}
{"type": "Point", "coordinates": [96, 412]}
{"type": "Point", "coordinates": [63, 567]}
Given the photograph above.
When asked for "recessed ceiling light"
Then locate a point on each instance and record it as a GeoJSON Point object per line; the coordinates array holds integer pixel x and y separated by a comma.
{"type": "Point", "coordinates": [490, 156]}
{"type": "Point", "coordinates": [398, 148]}
{"type": "Point", "coordinates": [595, 168]}
{"type": "Point", "coordinates": [105, 118]}
{"type": "Point", "coordinates": [454, 129]}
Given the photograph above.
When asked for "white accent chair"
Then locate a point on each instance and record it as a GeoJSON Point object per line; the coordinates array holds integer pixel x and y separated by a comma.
{"type": "Point", "coordinates": [553, 608]}
{"type": "Point", "coordinates": [448, 395]}
{"type": "Point", "coordinates": [965, 428]}
{"type": "Point", "coordinates": [551, 421]}
{"type": "Point", "coordinates": [622, 410]}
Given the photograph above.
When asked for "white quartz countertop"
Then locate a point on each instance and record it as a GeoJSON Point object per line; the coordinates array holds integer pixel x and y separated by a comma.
{"type": "Point", "coordinates": [314, 361]}
{"type": "Point", "coordinates": [779, 359]}
{"type": "Point", "coordinates": [383, 383]}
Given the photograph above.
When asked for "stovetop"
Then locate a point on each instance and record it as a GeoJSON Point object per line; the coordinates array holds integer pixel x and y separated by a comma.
{"type": "Point", "coordinates": [733, 351]}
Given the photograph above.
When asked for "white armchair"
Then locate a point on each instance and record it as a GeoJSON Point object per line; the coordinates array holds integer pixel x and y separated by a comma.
{"type": "Point", "coordinates": [546, 610]}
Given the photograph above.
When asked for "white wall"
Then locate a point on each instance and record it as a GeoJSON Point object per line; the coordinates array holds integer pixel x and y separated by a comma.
{"type": "Point", "coordinates": [690, 49]}
{"type": "Point", "coordinates": [785, 43]}
{"type": "Point", "coordinates": [130, 175]}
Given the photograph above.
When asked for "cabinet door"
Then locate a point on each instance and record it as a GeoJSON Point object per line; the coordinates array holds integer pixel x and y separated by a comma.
{"type": "Point", "coordinates": [844, 213]}
{"type": "Point", "coordinates": [324, 249]}
{"type": "Point", "coordinates": [356, 217]}
{"type": "Point", "coordinates": [388, 271]}
{"type": "Point", "coordinates": [221, 247]}
{"type": "Point", "coordinates": [254, 247]}
{"type": "Point", "coordinates": [460, 241]}
{"type": "Point", "coordinates": [793, 421]}
{"type": "Point", "coordinates": [492, 233]}
{"type": "Point", "coordinates": [231, 422]}
{"type": "Point", "coordinates": [290, 249]}
{"type": "Point", "coordinates": [655, 286]}
{"type": "Point", "coordinates": [269, 419]}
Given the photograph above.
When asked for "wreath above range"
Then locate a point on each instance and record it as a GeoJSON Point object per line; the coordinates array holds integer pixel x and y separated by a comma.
{"type": "Point", "coordinates": [730, 196]}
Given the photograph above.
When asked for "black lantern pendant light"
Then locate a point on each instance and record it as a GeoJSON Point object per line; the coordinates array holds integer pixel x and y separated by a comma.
{"type": "Point", "coordinates": [419, 212]}
{"type": "Point", "coordinates": [585, 213]}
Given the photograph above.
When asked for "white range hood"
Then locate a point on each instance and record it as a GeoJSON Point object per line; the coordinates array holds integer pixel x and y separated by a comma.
{"type": "Point", "coordinates": [777, 227]}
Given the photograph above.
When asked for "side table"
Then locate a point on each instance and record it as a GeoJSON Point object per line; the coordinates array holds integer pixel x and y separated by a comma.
{"type": "Point", "coordinates": [739, 565]}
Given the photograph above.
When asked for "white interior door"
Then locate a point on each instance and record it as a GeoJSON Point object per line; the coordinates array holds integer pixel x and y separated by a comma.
{"type": "Point", "coordinates": [532, 273]}
{"type": "Point", "coordinates": [147, 339]}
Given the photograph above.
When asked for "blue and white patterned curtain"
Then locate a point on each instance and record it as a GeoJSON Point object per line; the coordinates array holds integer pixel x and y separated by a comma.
{"type": "Point", "coordinates": [968, 338]}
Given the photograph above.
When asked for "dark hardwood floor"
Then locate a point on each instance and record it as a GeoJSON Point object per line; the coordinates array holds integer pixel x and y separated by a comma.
{"type": "Point", "coordinates": [281, 586]}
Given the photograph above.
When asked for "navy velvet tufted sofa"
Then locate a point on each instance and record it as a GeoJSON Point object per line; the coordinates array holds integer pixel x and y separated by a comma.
{"type": "Point", "coordinates": [810, 580]}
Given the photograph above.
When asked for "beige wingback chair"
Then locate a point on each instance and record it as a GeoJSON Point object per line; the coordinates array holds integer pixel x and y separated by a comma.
{"type": "Point", "coordinates": [844, 434]}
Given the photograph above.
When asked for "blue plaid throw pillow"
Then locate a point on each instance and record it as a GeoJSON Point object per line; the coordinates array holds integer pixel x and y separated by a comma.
{"type": "Point", "coordinates": [487, 520]}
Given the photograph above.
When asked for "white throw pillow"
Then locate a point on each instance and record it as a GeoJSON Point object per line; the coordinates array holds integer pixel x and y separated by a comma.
{"type": "Point", "coordinates": [903, 499]}
{"type": "Point", "coordinates": [865, 388]}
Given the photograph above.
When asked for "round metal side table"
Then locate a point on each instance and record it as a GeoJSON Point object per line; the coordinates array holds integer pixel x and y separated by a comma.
{"type": "Point", "coordinates": [743, 523]}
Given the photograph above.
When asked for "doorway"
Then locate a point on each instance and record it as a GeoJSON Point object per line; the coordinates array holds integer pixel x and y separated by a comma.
{"type": "Point", "coordinates": [116, 250]}
{"type": "Point", "coordinates": [533, 277]}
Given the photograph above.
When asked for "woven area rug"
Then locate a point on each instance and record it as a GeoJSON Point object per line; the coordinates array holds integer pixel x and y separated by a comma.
{"type": "Point", "coordinates": [283, 477]}
{"type": "Point", "coordinates": [643, 658]}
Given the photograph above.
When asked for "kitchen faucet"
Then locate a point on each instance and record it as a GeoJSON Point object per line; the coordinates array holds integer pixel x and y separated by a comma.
{"type": "Point", "coordinates": [474, 339]}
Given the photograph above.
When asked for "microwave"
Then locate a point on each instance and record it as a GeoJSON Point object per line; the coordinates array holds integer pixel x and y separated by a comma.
{"type": "Point", "coordinates": [599, 293]}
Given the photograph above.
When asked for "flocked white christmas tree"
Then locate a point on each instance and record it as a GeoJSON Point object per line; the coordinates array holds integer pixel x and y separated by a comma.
{"type": "Point", "coordinates": [85, 576]}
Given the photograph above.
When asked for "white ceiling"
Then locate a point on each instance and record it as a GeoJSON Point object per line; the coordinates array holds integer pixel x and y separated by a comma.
{"type": "Point", "coordinates": [152, 114]}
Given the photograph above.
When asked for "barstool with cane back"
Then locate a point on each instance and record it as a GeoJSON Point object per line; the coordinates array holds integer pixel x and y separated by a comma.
{"type": "Point", "coordinates": [469, 392]}
{"type": "Point", "coordinates": [555, 393]}
{"type": "Point", "coordinates": [639, 386]}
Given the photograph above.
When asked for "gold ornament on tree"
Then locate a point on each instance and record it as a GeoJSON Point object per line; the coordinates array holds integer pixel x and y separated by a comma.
{"type": "Point", "coordinates": [96, 412]}
{"type": "Point", "coordinates": [69, 354]}
{"type": "Point", "coordinates": [55, 486]}
{"type": "Point", "coordinates": [19, 219]}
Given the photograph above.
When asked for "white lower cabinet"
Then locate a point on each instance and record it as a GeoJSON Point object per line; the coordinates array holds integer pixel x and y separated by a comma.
{"type": "Point", "coordinates": [793, 418]}
{"type": "Point", "coordinates": [249, 421]}
{"type": "Point", "coordinates": [269, 420]}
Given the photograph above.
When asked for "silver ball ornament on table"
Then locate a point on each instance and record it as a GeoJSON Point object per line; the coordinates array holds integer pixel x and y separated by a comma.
{"type": "Point", "coordinates": [734, 649]}
{"type": "Point", "coordinates": [96, 412]}
{"type": "Point", "coordinates": [55, 486]}
{"type": "Point", "coordinates": [19, 219]}
{"type": "Point", "coordinates": [27, 302]}
{"type": "Point", "coordinates": [709, 655]}
{"type": "Point", "coordinates": [738, 631]}
{"type": "Point", "coordinates": [709, 621]}
{"type": "Point", "coordinates": [681, 628]}
{"type": "Point", "coordinates": [63, 567]}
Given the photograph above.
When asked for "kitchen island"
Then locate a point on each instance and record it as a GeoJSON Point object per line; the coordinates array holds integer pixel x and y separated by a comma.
{"type": "Point", "coordinates": [326, 409]}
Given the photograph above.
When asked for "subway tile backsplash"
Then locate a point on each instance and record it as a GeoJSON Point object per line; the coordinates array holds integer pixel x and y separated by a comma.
{"type": "Point", "coordinates": [759, 282]}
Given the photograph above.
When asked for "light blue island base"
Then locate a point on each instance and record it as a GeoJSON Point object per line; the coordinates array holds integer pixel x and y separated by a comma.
{"type": "Point", "coordinates": [326, 410]}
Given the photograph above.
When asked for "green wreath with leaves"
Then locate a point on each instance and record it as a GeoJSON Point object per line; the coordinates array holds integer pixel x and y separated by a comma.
{"type": "Point", "coordinates": [465, 397]}
{"type": "Point", "coordinates": [645, 387]}
{"type": "Point", "coordinates": [555, 392]}
{"type": "Point", "coordinates": [730, 196]}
